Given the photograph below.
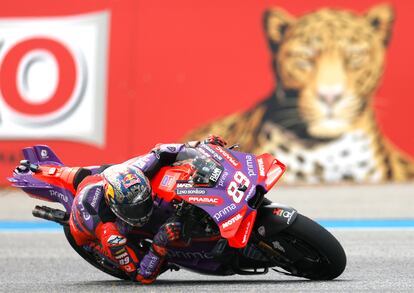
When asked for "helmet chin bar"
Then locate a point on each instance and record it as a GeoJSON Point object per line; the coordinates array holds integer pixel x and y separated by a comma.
{"type": "Point", "coordinates": [137, 223]}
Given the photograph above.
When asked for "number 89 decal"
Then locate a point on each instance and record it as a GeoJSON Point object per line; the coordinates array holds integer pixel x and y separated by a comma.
{"type": "Point", "coordinates": [238, 181]}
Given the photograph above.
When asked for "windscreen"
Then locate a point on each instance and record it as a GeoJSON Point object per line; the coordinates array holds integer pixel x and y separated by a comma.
{"type": "Point", "coordinates": [206, 170]}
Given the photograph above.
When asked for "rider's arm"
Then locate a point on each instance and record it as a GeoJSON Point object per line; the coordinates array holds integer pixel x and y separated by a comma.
{"type": "Point", "coordinates": [115, 243]}
{"type": "Point", "coordinates": [161, 155]}
{"type": "Point", "coordinates": [149, 267]}
{"type": "Point", "coordinates": [166, 154]}
{"type": "Point", "coordinates": [92, 220]}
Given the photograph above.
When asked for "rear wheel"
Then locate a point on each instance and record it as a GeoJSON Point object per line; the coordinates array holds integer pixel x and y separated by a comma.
{"type": "Point", "coordinates": [308, 250]}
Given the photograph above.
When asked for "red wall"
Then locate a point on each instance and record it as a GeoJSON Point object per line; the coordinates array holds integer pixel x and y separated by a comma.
{"type": "Point", "coordinates": [174, 65]}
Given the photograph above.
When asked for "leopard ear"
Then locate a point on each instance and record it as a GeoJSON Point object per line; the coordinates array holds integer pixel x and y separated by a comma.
{"type": "Point", "coordinates": [276, 22]}
{"type": "Point", "coordinates": [381, 18]}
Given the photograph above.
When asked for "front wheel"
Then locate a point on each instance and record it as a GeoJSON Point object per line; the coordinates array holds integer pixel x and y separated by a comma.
{"type": "Point", "coordinates": [308, 250]}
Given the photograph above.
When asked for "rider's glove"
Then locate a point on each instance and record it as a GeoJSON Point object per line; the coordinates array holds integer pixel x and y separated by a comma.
{"type": "Point", "coordinates": [150, 266]}
{"type": "Point", "coordinates": [167, 233]}
{"type": "Point", "coordinates": [215, 139]}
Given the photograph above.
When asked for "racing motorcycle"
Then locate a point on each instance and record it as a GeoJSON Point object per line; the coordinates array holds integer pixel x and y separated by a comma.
{"type": "Point", "coordinates": [230, 227]}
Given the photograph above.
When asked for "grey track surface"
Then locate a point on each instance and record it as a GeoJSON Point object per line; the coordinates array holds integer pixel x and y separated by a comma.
{"type": "Point", "coordinates": [378, 261]}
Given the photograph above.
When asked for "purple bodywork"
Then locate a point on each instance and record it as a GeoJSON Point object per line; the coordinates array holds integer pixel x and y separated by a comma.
{"type": "Point", "coordinates": [43, 155]}
{"type": "Point", "coordinates": [247, 164]}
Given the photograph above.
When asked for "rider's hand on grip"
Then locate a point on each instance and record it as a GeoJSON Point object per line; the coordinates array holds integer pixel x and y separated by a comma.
{"type": "Point", "coordinates": [167, 233]}
{"type": "Point", "coordinates": [215, 139]}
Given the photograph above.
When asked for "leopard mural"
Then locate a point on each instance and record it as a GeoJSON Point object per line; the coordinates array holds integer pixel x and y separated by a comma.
{"type": "Point", "coordinates": [320, 120]}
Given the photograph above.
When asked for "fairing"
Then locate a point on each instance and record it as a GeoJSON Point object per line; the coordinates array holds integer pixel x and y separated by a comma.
{"type": "Point", "coordinates": [234, 177]}
{"type": "Point", "coordinates": [53, 182]}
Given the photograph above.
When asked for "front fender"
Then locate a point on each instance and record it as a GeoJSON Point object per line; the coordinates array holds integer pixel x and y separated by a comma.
{"type": "Point", "coordinates": [273, 218]}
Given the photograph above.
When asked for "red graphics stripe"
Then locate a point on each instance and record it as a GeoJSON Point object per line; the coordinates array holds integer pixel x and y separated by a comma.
{"type": "Point", "coordinates": [228, 157]}
{"type": "Point", "coordinates": [59, 176]}
{"type": "Point", "coordinates": [270, 170]}
{"type": "Point", "coordinates": [243, 234]}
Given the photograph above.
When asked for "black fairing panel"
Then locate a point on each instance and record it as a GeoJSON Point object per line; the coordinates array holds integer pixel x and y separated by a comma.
{"type": "Point", "coordinates": [273, 218]}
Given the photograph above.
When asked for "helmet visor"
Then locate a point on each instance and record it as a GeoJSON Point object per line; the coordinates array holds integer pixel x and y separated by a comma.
{"type": "Point", "coordinates": [135, 214]}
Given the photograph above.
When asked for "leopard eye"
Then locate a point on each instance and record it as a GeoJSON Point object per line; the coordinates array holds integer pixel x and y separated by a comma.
{"type": "Point", "coordinates": [304, 64]}
{"type": "Point", "coordinates": [302, 60]}
{"type": "Point", "coordinates": [356, 58]}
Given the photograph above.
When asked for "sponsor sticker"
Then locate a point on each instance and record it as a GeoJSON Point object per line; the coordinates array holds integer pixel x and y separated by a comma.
{"type": "Point", "coordinates": [246, 232]}
{"type": "Point", "coordinates": [189, 254]}
{"type": "Point", "coordinates": [204, 200]}
{"type": "Point", "coordinates": [228, 157]}
{"type": "Point", "coordinates": [222, 179]}
{"type": "Point", "coordinates": [261, 167]}
{"type": "Point", "coordinates": [117, 240]}
{"type": "Point", "coordinates": [124, 254]}
{"type": "Point", "coordinates": [215, 174]}
{"type": "Point", "coordinates": [231, 221]}
{"type": "Point", "coordinates": [250, 166]}
{"type": "Point", "coordinates": [58, 195]}
{"type": "Point", "coordinates": [44, 154]}
{"type": "Point", "coordinates": [284, 214]}
{"type": "Point", "coordinates": [130, 179]}
{"type": "Point", "coordinates": [96, 195]}
{"type": "Point", "coordinates": [184, 185]}
{"type": "Point", "coordinates": [166, 180]}
{"type": "Point", "coordinates": [190, 191]}
{"type": "Point", "coordinates": [228, 209]}
{"type": "Point", "coordinates": [213, 153]}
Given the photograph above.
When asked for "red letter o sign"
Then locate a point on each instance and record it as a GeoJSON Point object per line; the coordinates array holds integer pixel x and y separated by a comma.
{"type": "Point", "coordinates": [66, 81]}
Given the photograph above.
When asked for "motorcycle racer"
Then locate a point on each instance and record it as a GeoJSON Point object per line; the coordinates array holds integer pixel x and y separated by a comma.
{"type": "Point", "coordinates": [217, 194]}
{"type": "Point", "coordinates": [108, 205]}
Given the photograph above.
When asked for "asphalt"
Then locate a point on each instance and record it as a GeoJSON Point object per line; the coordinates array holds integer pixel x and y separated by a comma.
{"type": "Point", "coordinates": [378, 260]}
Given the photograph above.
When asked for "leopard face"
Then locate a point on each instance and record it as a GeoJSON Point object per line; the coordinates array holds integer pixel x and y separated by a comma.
{"type": "Point", "coordinates": [333, 60]}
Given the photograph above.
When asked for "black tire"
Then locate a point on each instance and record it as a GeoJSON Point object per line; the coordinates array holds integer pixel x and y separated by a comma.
{"type": "Point", "coordinates": [104, 266]}
{"type": "Point", "coordinates": [314, 253]}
